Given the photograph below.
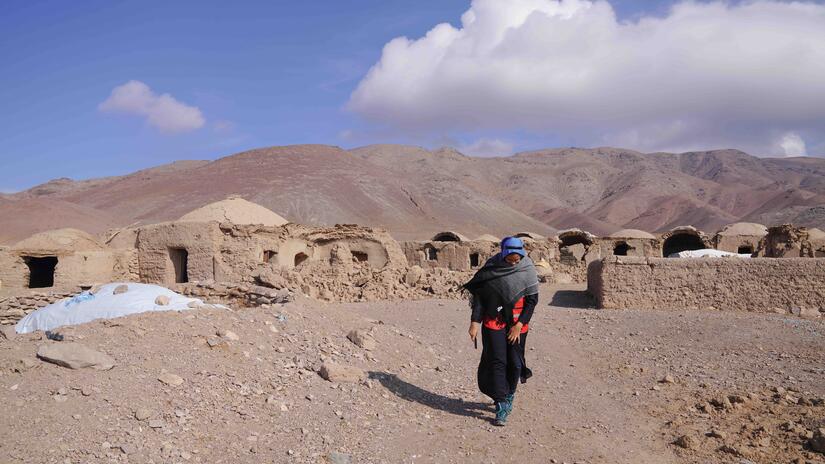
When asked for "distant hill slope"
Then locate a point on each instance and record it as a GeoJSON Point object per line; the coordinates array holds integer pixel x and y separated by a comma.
{"type": "Point", "coordinates": [415, 192]}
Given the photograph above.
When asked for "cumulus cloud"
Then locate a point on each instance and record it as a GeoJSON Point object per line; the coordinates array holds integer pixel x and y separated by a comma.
{"type": "Point", "coordinates": [792, 144]}
{"type": "Point", "coordinates": [163, 112]}
{"type": "Point", "coordinates": [705, 75]}
{"type": "Point", "coordinates": [487, 147]}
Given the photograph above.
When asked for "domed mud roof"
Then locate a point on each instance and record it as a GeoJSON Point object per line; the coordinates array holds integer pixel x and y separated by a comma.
{"type": "Point", "coordinates": [235, 210]}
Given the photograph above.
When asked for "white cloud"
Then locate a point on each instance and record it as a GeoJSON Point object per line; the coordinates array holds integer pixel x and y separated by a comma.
{"type": "Point", "coordinates": [487, 147]}
{"type": "Point", "coordinates": [792, 144]}
{"type": "Point", "coordinates": [163, 112]}
{"type": "Point", "coordinates": [706, 75]}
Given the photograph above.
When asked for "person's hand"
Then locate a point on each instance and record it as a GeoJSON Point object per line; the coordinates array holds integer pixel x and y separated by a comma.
{"type": "Point", "coordinates": [474, 326]}
{"type": "Point", "coordinates": [515, 333]}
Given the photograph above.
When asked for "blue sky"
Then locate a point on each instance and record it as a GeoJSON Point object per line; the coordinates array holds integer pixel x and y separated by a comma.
{"type": "Point", "coordinates": [261, 73]}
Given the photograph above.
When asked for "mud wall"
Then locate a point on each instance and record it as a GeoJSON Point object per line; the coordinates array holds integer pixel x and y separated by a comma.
{"type": "Point", "coordinates": [13, 308]}
{"type": "Point", "coordinates": [732, 243]}
{"type": "Point", "coordinates": [157, 245]}
{"type": "Point", "coordinates": [635, 246]}
{"type": "Point", "coordinates": [456, 256]}
{"type": "Point", "coordinates": [730, 284]}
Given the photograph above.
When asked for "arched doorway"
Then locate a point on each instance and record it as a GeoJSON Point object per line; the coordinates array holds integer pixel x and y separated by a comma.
{"type": "Point", "coordinates": [683, 241]}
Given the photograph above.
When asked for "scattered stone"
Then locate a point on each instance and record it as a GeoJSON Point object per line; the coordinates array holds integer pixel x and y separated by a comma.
{"type": "Point", "coordinates": [142, 414]}
{"type": "Point", "coordinates": [339, 458]}
{"type": "Point", "coordinates": [120, 289]}
{"type": "Point", "coordinates": [23, 364]}
{"type": "Point", "coordinates": [215, 342]}
{"type": "Point", "coordinates": [7, 332]}
{"type": "Point", "coordinates": [817, 442]}
{"type": "Point", "coordinates": [413, 276]}
{"type": "Point", "coordinates": [362, 339]}
{"type": "Point", "coordinates": [686, 442]}
{"type": "Point", "coordinates": [171, 379]}
{"type": "Point", "coordinates": [716, 433]}
{"type": "Point", "coordinates": [229, 335]}
{"type": "Point", "coordinates": [74, 356]}
{"type": "Point", "coordinates": [162, 300]}
{"type": "Point", "coordinates": [156, 424]}
{"type": "Point", "coordinates": [339, 373]}
{"type": "Point", "coordinates": [668, 379]}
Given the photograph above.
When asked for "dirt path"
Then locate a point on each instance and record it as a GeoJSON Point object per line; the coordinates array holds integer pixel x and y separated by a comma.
{"type": "Point", "coordinates": [562, 413]}
{"type": "Point", "coordinates": [746, 388]}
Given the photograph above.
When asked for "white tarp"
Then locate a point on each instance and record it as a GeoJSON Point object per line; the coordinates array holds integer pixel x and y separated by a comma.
{"type": "Point", "coordinates": [707, 253]}
{"type": "Point", "coordinates": [85, 307]}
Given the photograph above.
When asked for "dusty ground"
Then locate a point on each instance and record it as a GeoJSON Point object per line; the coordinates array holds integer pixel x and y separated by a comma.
{"type": "Point", "coordinates": [754, 382]}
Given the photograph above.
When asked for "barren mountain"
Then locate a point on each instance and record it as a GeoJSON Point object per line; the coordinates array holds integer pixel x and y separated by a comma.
{"type": "Point", "coordinates": [415, 192]}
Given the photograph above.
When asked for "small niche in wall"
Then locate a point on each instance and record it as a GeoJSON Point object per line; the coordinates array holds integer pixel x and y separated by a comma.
{"type": "Point", "coordinates": [300, 258]}
{"type": "Point", "coordinates": [360, 256]}
{"type": "Point", "coordinates": [431, 253]}
{"type": "Point", "coordinates": [270, 256]}
{"type": "Point", "coordinates": [475, 259]}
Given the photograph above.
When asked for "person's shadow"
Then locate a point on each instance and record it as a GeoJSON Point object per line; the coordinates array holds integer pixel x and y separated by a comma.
{"type": "Point", "coordinates": [410, 392]}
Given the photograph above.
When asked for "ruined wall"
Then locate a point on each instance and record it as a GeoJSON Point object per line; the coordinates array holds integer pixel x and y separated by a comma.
{"type": "Point", "coordinates": [14, 274]}
{"type": "Point", "coordinates": [247, 251]}
{"type": "Point", "coordinates": [732, 243]}
{"type": "Point", "coordinates": [15, 307]}
{"type": "Point", "coordinates": [200, 240]}
{"type": "Point", "coordinates": [636, 246]}
{"type": "Point", "coordinates": [455, 256]}
{"type": "Point", "coordinates": [758, 284]}
{"type": "Point", "coordinates": [787, 241]}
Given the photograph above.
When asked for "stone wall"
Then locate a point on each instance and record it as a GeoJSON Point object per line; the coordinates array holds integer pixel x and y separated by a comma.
{"type": "Point", "coordinates": [13, 308]}
{"type": "Point", "coordinates": [757, 285]}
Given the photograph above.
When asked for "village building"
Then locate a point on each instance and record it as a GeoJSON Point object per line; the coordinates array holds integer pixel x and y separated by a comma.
{"type": "Point", "coordinates": [630, 242]}
{"type": "Point", "coordinates": [684, 238]}
{"type": "Point", "coordinates": [740, 238]}
{"type": "Point", "coordinates": [62, 259]}
{"type": "Point", "coordinates": [450, 250]}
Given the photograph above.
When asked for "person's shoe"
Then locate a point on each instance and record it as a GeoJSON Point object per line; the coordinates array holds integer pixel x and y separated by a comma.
{"type": "Point", "coordinates": [502, 411]}
{"type": "Point", "coordinates": [510, 398]}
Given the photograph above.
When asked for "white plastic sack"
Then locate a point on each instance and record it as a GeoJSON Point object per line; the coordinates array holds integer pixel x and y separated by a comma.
{"type": "Point", "coordinates": [85, 307]}
{"type": "Point", "coordinates": [706, 253]}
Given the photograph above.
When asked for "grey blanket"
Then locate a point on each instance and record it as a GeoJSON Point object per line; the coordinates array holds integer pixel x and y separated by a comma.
{"type": "Point", "coordinates": [497, 286]}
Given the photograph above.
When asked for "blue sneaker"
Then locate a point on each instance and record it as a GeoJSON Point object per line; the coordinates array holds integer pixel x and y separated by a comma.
{"type": "Point", "coordinates": [510, 398]}
{"type": "Point", "coordinates": [502, 411]}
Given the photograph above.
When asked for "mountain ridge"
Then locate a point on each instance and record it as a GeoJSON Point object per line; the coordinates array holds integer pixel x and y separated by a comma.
{"type": "Point", "coordinates": [414, 192]}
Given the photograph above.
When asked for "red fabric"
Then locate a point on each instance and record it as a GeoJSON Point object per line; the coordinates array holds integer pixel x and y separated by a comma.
{"type": "Point", "coordinates": [497, 323]}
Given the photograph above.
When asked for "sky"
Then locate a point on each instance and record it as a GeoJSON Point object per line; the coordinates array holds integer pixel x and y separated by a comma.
{"type": "Point", "coordinates": [99, 88]}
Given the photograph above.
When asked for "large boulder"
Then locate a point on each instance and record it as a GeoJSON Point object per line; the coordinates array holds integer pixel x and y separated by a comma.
{"type": "Point", "coordinates": [74, 356]}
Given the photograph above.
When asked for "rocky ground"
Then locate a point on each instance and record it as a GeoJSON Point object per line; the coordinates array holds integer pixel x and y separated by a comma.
{"type": "Point", "coordinates": [247, 386]}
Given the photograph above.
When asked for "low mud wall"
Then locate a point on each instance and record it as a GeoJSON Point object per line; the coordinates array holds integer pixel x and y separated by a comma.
{"type": "Point", "coordinates": [790, 285]}
{"type": "Point", "coordinates": [15, 307]}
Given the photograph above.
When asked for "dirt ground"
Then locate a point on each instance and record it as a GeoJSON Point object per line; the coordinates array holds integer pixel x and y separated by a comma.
{"type": "Point", "coordinates": [609, 387]}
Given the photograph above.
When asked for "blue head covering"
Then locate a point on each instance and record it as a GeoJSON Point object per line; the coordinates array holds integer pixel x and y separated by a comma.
{"type": "Point", "coordinates": [512, 245]}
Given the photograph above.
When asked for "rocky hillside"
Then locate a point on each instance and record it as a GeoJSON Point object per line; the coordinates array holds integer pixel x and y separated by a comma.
{"type": "Point", "coordinates": [415, 192]}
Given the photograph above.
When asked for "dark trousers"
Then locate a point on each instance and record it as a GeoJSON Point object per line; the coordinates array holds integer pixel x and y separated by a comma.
{"type": "Point", "coordinates": [501, 364]}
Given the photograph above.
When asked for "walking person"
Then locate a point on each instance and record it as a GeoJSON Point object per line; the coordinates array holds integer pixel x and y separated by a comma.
{"type": "Point", "coordinates": [504, 293]}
